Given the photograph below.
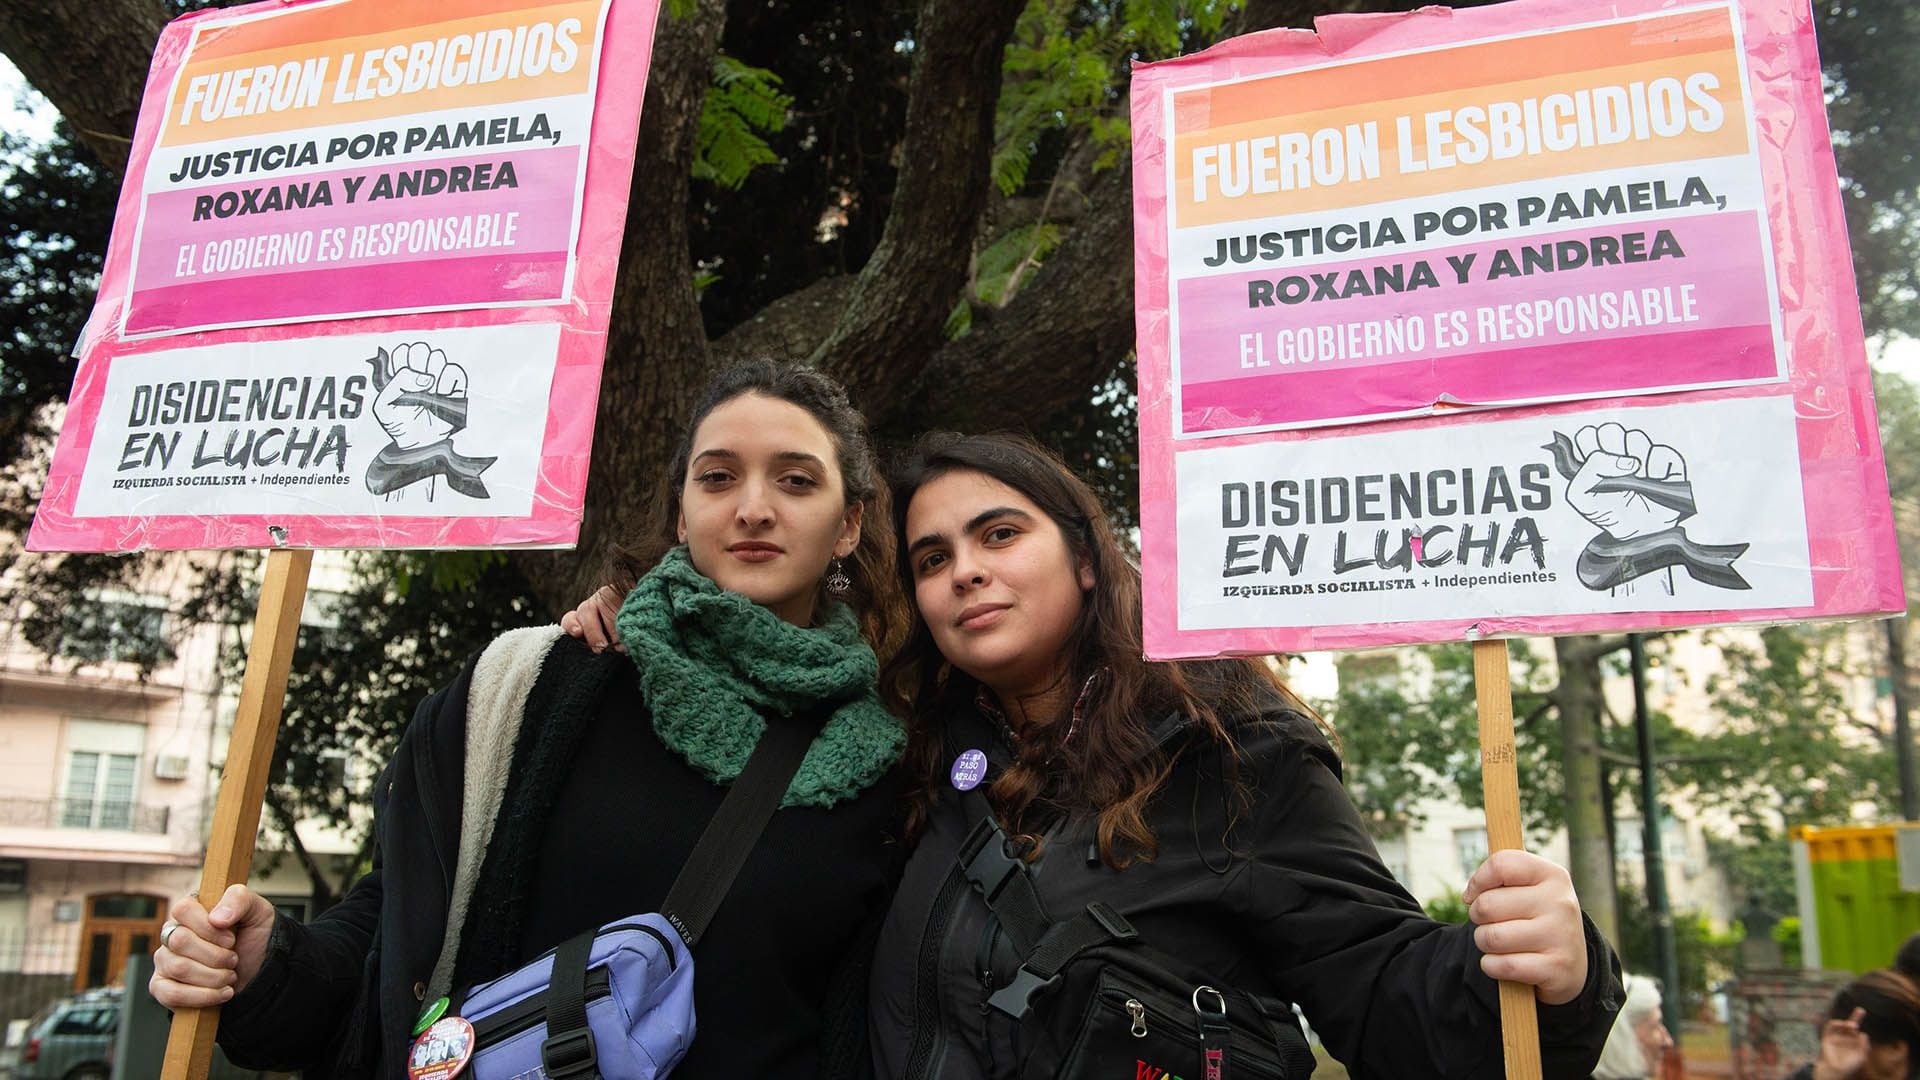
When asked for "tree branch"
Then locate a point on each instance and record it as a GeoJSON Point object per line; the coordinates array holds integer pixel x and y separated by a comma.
{"type": "Point", "coordinates": [909, 286]}
{"type": "Point", "coordinates": [90, 59]}
{"type": "Point", "coordinates": [1080, 303]}
{"type": "Point", "coordinates": [1591, 647]}
{"type": "Point", "coordinates": [325, 894]}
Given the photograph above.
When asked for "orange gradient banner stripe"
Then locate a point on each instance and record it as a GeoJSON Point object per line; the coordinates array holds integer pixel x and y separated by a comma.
{"type": "Point", "coordinates": [1392, 184]}
{"type": "Point", "coordinates": [323, 22]}
{"type": "Point", "coordinates": [1534, 56]}
{"type": "Point", "coordinates": [547, 84]}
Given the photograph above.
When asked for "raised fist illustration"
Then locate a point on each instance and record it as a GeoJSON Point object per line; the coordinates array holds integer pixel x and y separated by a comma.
{"type": "Point", "coordinates": [1626, 483]}
{"type": "Point", "coordinates": [422, 398]}
{"type": "Point", "coordinates": [1637, 493]}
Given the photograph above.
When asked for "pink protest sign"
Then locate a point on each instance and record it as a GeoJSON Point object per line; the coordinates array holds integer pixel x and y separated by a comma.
{"type": "Point", "coordinates": [359, 281]}
{"type": "Point", "coordinates": [1509, 320]}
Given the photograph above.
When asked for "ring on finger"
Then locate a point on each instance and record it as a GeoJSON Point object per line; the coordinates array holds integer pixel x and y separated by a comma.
{"type": "Point", "coordinates": [166, 932]}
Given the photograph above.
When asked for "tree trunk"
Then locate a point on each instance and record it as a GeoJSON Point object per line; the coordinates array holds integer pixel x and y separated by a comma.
{"type": "Point", "coordinates": [1902, 726]}
{"type": "Point", "coordinates": [1578, 700]}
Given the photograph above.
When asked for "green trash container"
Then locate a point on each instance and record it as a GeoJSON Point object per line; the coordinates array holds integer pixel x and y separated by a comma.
{"type": "Point", "coordinates": [1859, 890]}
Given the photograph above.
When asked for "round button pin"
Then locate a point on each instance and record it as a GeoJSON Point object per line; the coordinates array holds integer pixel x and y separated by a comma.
{"type": "Point", "coordinates": [428, 1015]}
{"type": "Point", "coordinates": [969, 769]}
{"type": "Point", "coordinates": [442, 1051]}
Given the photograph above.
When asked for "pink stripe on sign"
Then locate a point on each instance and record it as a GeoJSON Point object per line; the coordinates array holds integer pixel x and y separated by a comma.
{"type": "Point", "coordinates": [273, 297]}
{"type": "Point", "coordinates": [1718, 281]}
{"type": "Point", "coordinates": [1574, 369]}
{"type": "Point", "coordinates": [542, 198]}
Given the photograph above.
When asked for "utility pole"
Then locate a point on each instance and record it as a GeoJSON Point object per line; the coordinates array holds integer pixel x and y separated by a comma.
{"type": "Point", "coordinates": [1659, 910]}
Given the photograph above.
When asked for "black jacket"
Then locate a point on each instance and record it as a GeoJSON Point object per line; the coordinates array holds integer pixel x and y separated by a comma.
{"type": "Point", "coordinates": [775, 994]}
{"type": "Point", "coordinates": [1292, 902]}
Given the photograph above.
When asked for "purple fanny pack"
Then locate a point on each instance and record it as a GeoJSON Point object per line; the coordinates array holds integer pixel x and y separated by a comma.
{"type": "Point", "coordinates": [637, 998]}
{"type": "Point", "coordinates": [617, 1003]}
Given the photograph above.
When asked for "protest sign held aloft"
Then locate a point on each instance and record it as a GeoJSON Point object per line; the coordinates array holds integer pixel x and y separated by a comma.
{"type": "Point", "coordinates": [1525, 319]}
{"type": "Point", "coordinates": [359, 281]}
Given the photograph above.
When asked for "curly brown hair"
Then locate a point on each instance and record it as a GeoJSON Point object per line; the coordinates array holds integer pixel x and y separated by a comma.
{"type": "Point", "coordinates": [1112, 767]}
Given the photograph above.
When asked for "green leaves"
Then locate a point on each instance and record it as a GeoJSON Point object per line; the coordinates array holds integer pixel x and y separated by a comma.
{"type": "Point", "coordinates": [1066, 74]}
{"type": "Point", "coordinates": [743, 104]}
{"type": "Point", "coordinates": [1790, 747]}
{"type": "Point", "coordinates": [1409, 735]}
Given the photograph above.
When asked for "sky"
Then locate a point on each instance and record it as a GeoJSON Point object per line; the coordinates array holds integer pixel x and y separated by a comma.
{"type": "Point", "coordinates": [25, 111]}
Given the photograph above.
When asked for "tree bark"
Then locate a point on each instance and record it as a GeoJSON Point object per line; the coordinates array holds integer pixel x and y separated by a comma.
{"type": "Point", "coordinates": [1589, 860]}
{"type": "Point", "coordinates": [1080, 304]}
{"type": "Point", "coordinates": [90, 59]}
{"type": "Point", "coordinates": [656, 343]}
{"type": "Point", "coordinates": [1896, 631]}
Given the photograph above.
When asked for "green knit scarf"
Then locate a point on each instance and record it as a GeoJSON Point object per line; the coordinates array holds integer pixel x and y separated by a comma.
{"type": "Point", "coordinates": [713, 664]}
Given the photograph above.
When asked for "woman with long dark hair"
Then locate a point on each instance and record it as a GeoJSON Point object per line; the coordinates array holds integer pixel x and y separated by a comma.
{"type": "Point", "coordinates": [1200, 801]}
{"type": "Point", "coordinates": [553, 789]}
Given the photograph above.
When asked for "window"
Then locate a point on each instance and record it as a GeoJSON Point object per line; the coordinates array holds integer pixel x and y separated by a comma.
{"type": "Point", "coordinates": [103, 770]}
{"type": "Point", "coordinates": [96, 629]}
{"type": "Point", "coordinates": [86, 1020]}
{"type": "Point", "coordinates": [1629, 841]}
{"type": "Point", "coordinates": [1393, 853]}
{"type": "Point", "coordinates": [1471, 846]}
{"type": "Point", "coordinates": [123, 906]}
{"type": "Point", "coordinates": [99, 790]}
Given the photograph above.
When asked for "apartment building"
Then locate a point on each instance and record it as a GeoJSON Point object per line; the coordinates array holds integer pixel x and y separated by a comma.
{"type": "Point", "coordinates": [108, 775]}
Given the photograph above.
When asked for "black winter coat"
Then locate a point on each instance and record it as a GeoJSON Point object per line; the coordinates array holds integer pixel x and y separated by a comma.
{"type": "Point", "coordinates": [781, 972]}
{"type": "Point", "coordinates": [1293, 902]}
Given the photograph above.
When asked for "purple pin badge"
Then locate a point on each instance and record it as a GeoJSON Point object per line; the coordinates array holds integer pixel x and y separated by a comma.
{"type": "Point", "coordinates": [969, 769]}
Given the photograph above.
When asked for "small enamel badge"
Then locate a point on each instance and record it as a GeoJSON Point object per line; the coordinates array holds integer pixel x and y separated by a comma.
{"type": "Point", "coordinates": [969, 769]}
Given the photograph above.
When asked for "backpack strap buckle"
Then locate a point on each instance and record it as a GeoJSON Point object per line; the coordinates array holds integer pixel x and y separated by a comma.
{"type": "Point", "coordinates": [1016, 998]}
{"type": "Point", "coordinates": [570, 1054]}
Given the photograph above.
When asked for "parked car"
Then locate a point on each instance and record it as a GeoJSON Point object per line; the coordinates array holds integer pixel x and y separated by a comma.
{"type": "Point", "coordinates": [72, 1039]}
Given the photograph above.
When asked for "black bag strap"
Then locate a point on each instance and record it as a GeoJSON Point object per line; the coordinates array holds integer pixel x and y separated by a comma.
{"type": "Point", "coordinates": [1046, 947]}
{"type": "Point", "coordinates": [743, 815]}
{"type": "Point", "coordinates": [568, 1050]}
{"type": "Point", "coordinates": [1001, 878]}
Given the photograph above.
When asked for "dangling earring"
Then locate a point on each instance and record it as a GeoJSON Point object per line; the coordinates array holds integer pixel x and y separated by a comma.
{"type": "Point", "coordinates": [837, 580]}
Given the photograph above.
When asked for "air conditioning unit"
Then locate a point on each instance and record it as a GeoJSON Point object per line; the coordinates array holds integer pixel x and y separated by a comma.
{"type": "Point", "coordinates": [170, 767]}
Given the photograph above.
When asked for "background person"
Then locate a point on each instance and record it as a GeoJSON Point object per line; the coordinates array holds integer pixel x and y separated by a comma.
{"type": "Point", "coordinates": [1639, 1040]}
{"type": "Point", "coordinates": [1872, 1031]}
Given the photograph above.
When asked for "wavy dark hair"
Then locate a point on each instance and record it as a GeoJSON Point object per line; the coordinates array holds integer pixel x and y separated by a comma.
{"type": "Point", "coordinates": [1891, 1001]}
{"type": "Point", "coordinates": [875, 592]}
{"type": "Point", "coordinates": [1111, 768]}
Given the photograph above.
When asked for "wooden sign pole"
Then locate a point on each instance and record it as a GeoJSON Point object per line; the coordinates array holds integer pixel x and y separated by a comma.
{"type": "Point", "coordinates": [1500, 785]}
{"type": "Point", "coordinates": [243, 785]}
